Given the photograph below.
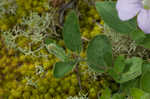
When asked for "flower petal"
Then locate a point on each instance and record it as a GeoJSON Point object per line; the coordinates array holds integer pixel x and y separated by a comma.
{"type": "Point", "coordinates": [144, 20]}
{"type": "Point", "coordinates": [127, 9]}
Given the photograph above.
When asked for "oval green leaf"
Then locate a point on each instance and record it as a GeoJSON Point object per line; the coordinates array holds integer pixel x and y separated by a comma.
{"type": "Point", "coordinates": [71, 33]}
{"type": "Point", "coordinates": [99, 53]}
{"type": "Point", "coordinates": [57, 50]}
{"type": "Point", "coordinates": [62, 68]}
{"type": "Point", "coordinates": [145, 81]}
{"type": "Point", "coordinates": [108, 12]}
{"type": "Point", "coordinates": [106, 94]}
{"type": "Point", "coordinates": [139, 94]}
{"type": "Point", "coordinates": [133, 69]}
{"type": "Point", "coordinates": [118, 96]}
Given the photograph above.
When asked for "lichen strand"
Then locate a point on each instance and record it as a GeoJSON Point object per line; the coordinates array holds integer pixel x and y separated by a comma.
{"type": "Point", "coordinates": [12, 11]}
{"type": "Point", "coordinates": [28, 36]}
{"type": "Point", "coordinates": [123, 44]}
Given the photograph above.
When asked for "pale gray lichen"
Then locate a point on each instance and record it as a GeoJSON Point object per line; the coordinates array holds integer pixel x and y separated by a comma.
{"type": "Point", "coordinates": [30, 82]}
{"type": "Point", "coordinates": [34, 28]}
{"type": "Point", "coordinates": [123, 44]}
{"type": "Point", "coordinates": [80, 96]}
{"type": "Point", "coordinates": [11, 9]}
{"type": "Point", "coordinates": [39, 70]}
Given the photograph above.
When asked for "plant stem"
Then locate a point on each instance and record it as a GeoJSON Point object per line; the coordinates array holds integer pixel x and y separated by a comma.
{"type": "Point", "coordinates": [78, 76]}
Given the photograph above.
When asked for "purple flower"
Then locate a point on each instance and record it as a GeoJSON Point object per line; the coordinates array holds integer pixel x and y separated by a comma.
{"type": "Point", "coordinates": [128, 9]}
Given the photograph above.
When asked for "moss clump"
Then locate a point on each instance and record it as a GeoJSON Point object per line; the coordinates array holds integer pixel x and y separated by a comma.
{"type": "Point", "coordinates": [89, 20]}
{"type": "Point", "coordinates": [31, 77]}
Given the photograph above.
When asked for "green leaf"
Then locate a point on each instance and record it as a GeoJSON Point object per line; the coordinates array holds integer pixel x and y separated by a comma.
{"type": "Point", "coordinates": [99, 53]}
{"type": "Point", "coordinates": [71, 33]}
{"type": "Point", "coordinates": [106, 94]}
{"type": "Point", "coordinates": [145, 81]}
{"type": "Point", "coordinates": [62, 68]}
{"type": "Point", "coordinates": [107, 10]}
{"type": "Point", "coordinates": [118, 96]}
{"type": "Point", "coordinates": [131, 68]}
{"type": "Point", "coordinates": [145, 67]}
{"type": "Point", "coordinates": [139, 94]}
{"type": "Point", "coordinates": [114, 75]}
{"type": "Point", "coordinates": [119, 64]}
{"type": "Point", "coordinates": [118, 68]}
{"type": "Point", "coordinates": [57, 51]}
{"type": "Point", "coordinates": [137, 35]}
{"type": "Point", "coordinates": [134, 69]}
{"type": "Point", "coordinates": [125, 87]}
{"type": "Point", "coordinates": [146, 42]}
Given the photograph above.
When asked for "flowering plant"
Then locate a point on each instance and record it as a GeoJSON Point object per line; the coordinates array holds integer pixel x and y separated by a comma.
{"type": "Point", "coordinates": [120, 53]}
{"type": "Point", "coordinates": [121, 16]}
{"type": "Point", "coordinates": [128, 9]}
{"type": "Point", "coordinates": [131, 72]}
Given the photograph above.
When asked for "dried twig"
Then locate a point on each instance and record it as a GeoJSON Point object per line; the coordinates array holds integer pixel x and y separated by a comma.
{"type": "Point", "coordinates": [63, 8]}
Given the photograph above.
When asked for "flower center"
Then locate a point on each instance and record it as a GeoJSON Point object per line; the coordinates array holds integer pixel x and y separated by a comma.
{"type": "Point", "coordinates": [146, 4]}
